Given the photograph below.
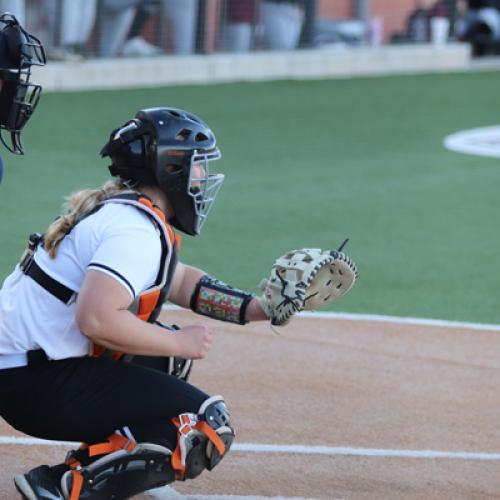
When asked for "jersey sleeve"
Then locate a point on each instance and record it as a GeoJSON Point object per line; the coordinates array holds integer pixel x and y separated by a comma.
{"type": "Point", "coordinates": [131, 254]}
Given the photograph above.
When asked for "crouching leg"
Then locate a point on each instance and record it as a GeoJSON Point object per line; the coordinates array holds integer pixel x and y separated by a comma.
{"type": "Point", "coordinates": [122, 468]}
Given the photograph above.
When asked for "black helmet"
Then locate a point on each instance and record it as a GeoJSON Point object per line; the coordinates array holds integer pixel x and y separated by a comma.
{"type": "Point", "coordinates": [159, 147]}
{"type": "Point", "coordinates": [18, 96]}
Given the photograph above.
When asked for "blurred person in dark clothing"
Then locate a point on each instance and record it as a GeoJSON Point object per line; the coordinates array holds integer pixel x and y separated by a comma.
{"type": "Point", "coordinates": [418, 24]}
{"type": "Point", "coordinates": [479, 24]}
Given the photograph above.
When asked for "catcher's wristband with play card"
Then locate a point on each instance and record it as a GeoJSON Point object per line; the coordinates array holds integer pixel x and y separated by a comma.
{"type": "Point", "coordinates": [216, 299]}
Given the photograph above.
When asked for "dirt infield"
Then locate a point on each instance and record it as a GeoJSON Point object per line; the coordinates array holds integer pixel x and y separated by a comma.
{"type": "Point", "coordinates": [371, 387]}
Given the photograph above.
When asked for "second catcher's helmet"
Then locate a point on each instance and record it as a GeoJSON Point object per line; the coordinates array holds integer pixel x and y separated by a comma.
{"type": "Point", "coordinates": [159, 147]}
{"type": "Point", "coordinates": [18, 95]}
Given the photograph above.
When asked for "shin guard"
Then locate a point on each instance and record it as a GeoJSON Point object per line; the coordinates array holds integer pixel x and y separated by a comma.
{"type": "Point", "coordinates": [124, 469]}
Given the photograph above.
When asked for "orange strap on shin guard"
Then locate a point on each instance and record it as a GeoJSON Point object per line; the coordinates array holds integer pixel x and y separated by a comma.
{"type": "Point", "coordinates": [77, 485]}
{"type": "Point", "coordinates": [212, 436]}
{"type": "Point", "coordinates": [115, 442]}
{"type": "Point", "coordinates": [187, 424]}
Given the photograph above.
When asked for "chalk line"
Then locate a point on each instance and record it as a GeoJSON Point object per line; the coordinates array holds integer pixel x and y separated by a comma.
{"type": "Point", "coordinates": [382, 318]}
{"type": "Point", "coordinates": [297, 449]}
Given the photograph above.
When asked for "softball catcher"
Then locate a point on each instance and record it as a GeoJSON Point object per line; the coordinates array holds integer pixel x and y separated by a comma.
{"type": "Point", "coordinates": [82, 354]}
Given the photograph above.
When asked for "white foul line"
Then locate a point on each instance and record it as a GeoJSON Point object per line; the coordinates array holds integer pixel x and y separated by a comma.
{"type": "Point", "coordinates": [297, 449]}
{"type": "Point", "coordinates": [379, 317]}
{"type": "Point", "coordinates": [168, 493]}
{"type": "Point", "coordinates": [361, 452]}
{"type": "Point", "coordinates": [402, 320]}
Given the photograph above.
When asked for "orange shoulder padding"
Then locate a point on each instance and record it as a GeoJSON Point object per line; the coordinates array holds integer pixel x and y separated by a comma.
{"type": "Point", "coordinates": [147, 203]}
{"type": "Point", "coordinates": [147, 303]}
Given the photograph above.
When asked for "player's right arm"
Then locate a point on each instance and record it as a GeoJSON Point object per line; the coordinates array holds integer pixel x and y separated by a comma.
{"type": "Point", "coordinates": [102, 315]}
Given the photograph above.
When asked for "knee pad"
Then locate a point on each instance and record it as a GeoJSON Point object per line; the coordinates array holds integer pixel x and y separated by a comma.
{"type": "Point", "coordinates": [125, 469]}
{"type": "Point", "coordinates": [202, 439]}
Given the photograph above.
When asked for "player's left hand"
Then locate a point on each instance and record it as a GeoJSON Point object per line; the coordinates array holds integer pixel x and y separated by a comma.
{"type": "Point", "coordinates": [306, 280]}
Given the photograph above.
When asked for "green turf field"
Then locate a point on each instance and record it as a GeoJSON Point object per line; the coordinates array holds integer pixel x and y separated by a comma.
{"type": "Point", "coordinates": [307, 164]}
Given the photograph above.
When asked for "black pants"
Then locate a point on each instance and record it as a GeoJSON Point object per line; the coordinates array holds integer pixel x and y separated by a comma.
{"type": "Point", "coordinates": [87, 399]}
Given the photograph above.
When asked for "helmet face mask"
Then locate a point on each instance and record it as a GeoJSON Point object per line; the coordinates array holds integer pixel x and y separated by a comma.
{"type": "Point", "coordinates": [204, 188]}
{"type": "Point", "coordinates": [176, 156]}
{"type": "Point", "coordinates": [18, 95]}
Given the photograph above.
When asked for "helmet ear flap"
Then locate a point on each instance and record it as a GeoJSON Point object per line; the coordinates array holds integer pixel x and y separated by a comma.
{"type": "Point", "coordinates": [129, 149]}
{"type": "Point", "coordinates": [14, 41]}
{"type": "Point", "coordinates": [127, 133]}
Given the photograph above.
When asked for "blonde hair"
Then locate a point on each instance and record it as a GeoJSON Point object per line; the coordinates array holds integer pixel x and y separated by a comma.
{"type": "Point", "coordinates": [75, 207]}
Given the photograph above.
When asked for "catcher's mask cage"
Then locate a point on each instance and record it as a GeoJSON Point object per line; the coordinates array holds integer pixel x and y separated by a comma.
{"type": "Point", "coordinates": [161, 146]}
{"type": "Point", "coordinates": [18, 96]}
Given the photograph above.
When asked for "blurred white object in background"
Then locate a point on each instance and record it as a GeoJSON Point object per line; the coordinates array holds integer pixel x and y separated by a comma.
{"type": "Point", "coordinates": [375, 31]}
{"type": "Point", "coordinates": [138, 47]}
{"type": "Point", "coordinates": [282, 23]}
{"type": "Point", "coordinates": [440, 28]}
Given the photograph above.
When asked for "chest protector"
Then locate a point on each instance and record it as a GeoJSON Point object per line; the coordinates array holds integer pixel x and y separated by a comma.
{"type": "Point", "coordinates": [147, 305]}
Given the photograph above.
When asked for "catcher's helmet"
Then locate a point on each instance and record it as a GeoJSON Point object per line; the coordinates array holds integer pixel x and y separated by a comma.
{"type": "Point", "coordinates": [18, 96]}
{"type": "Point", "coordinates": [159, 147]}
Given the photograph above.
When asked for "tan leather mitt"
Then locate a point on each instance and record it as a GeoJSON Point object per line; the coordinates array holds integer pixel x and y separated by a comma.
{"type": "Point", "coordinates": [306, 280]}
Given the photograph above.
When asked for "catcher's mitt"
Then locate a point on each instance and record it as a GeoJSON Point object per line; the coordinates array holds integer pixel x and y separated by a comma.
{"type": "Point", "coordinates": [306, 279]}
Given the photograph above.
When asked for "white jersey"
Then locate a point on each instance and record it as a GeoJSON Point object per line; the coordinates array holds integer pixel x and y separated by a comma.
{"type": "Point", "coordinates": [119, 240]}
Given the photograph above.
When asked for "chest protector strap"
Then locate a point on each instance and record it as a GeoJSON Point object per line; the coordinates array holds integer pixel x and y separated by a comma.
{"type": "Point", "coordinates": [147, 305]}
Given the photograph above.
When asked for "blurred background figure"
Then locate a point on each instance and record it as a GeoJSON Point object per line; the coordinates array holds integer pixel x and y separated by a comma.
{"type": "Point", "coordinates": [135, 44]}
{"type": "Point", "coordinates": [418, 24]}
{"type": "Point", "coordinates": [65, 27]}
{"type": "Point", "coordinates": [479, 24]}
{"type": "Point", "coordinates": [282, 21]}
{"type": "Point", "coordinates": [110, 28]}
{"type": "Point", "coordinates": [122, 25]}
{"type": "Point", "coordinates": [41, 19]}
{"type": "Point", "coordinates": [242, 16]}
{"type": "Point", "coordinates": [77, 22]}
{"type": "Point", "coordinates": [16, 8]}
{"type": "Point", "coordinates": [181, 23]}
